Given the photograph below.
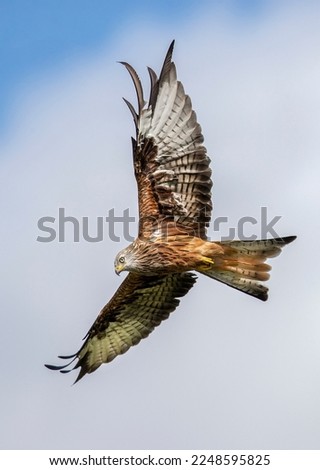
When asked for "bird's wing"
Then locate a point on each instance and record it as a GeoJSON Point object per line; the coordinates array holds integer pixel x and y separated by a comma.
{"type": "Point", "coordinates": [170, 162]}
{"type": "Point", "coordinates": [138, 306]}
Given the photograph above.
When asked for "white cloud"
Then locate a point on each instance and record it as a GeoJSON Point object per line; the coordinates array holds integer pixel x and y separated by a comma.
{"type": "Point", "coordinates": [225, 370]}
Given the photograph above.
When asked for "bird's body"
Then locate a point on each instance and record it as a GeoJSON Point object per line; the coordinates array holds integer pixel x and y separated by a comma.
{"type": "Point", "coordinates": [174, 184]}
{"type": "Point", "coordinates": [175, 253]}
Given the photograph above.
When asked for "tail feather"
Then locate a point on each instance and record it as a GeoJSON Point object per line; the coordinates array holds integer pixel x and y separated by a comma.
{"type": "Point", "coordinates": [242, 264]}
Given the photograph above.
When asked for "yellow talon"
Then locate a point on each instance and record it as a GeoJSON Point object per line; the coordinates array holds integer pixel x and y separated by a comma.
{"type": "Point", "coordinates": [207, 263]}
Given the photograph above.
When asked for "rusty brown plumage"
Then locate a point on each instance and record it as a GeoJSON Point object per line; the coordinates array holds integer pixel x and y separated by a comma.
{"type": "Point", "coordinates": [173, 177]}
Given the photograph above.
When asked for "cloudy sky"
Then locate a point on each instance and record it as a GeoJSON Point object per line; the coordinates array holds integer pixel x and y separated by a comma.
{"type": "Point", "coordinates": [225, 371]}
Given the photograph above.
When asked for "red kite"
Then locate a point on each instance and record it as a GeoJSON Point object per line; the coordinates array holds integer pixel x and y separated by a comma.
{"type": "Point", "coordinates": [174, 192]}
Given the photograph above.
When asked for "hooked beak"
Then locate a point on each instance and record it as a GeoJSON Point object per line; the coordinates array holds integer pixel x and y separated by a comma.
{"type": "Point", "coordinates": [118, 269]}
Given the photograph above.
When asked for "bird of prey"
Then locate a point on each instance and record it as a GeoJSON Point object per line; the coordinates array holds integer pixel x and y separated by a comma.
{"type": "Point", "coordinates": [173, 177]}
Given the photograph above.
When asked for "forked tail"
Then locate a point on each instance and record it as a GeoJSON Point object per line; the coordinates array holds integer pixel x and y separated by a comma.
{"type": "Point", "coordinates": [242, 265]}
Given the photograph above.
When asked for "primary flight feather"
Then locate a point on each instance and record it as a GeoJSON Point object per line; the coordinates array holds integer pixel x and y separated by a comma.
{"type": "Point", "coordinates": [173, 176]}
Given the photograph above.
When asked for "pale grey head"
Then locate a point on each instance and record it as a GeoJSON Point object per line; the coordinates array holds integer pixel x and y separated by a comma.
{"type": "Point", "coordinates": [125, 260]}
{"type": "Point", "coordinates": [144, 258]}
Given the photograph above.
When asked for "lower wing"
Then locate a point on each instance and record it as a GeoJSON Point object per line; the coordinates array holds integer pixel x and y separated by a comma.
{"type": "Point", "coordinates": [139, 305]}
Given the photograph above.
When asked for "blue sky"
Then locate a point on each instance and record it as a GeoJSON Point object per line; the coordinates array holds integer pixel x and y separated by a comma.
{"type": "Point", "coordinates": [36, 36]}
{"type": "Point", "coordinates": [224, 371]}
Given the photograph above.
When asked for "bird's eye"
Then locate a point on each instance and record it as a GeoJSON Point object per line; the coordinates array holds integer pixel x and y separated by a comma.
{"type": "Point", "coordinates": [121, 259]}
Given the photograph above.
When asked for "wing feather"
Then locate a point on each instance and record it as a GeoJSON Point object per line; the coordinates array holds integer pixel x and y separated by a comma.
{"type": "Point", "coordinates": [139, 305]}
{"type": "Point", "coordinates": [137, 85]}
{"type": "Point", "coordinates": [153, 87]}
{"type": "Point", "coordinates": [168, 153]}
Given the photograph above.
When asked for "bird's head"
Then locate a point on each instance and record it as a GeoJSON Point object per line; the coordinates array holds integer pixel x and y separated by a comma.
{"type": "Point", "coordinates": [123, 260]}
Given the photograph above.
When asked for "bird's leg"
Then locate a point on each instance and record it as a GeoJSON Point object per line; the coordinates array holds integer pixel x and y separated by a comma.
{"type": "Point", "coordinates": [206, 263]}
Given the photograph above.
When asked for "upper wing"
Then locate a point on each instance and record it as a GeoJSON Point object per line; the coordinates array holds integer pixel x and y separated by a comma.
{"type": "Point", "coordinates": [138, 306]}
{"type": "Point", "coordinates": [170, 161]}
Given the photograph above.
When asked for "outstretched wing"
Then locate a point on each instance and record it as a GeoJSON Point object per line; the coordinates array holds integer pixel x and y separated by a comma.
{"type": "Point", "coordinates": [170, 162]}
{"type": "Point", "coordinates": [139, 305]}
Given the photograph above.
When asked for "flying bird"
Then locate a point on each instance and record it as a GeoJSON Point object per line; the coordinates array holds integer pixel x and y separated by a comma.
{"type": "Point", "coordinates": [174, 183]}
